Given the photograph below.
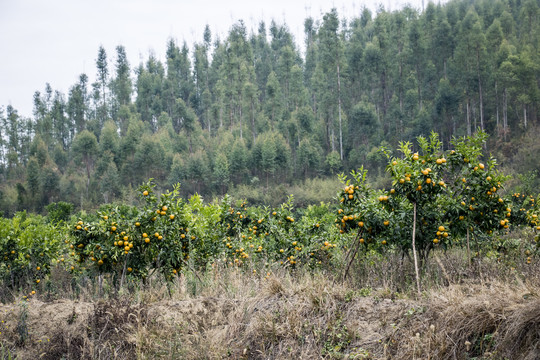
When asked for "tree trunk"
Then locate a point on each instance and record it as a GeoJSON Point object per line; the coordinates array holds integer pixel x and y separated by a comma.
{"type": "Point", "coordinates": [525, 115]}
{"type": "Point", "coordinates": [253, 120]}
{"type": "Point", "coordinates": [240, 115]}
{"type": "Point", "coordinates": [414, 251]}
{"type": "Point", "coordinates": [468, 248]}
{"type": "Point", "coordinates": [469, 132]}
{"type": "Point", "coordinates": [481, 104]}
{"type": "Point", "coordinates": [480, 97]}
{"type": "Point", "coordinates": [505, 112]}
{"type": "Point", "coordinates": [339, 114]}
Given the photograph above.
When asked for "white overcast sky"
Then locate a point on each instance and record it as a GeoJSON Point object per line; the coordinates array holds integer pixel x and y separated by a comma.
{"type": "Point", "coordinates": [55, 41]}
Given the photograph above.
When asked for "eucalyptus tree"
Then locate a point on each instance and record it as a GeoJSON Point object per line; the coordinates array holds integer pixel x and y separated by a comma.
{"type": "Point", "coordinates": [101, 86]}
{"type": "Point", "coordinates": [121, 84]}
{"type": "Point", "coordinates": [331, 60]}
{"type": "Point", "coordinates": [78, 103]}
{"type": "Point", "coordinates": [85, 149]}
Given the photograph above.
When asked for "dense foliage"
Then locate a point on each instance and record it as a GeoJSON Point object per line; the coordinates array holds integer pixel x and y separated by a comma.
{"type": "Point", "coordinates": [439, 200]}
{"type": "Point", "coordinates": [253, 109]}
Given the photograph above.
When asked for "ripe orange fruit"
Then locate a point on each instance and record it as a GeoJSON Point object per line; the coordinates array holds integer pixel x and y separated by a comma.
{"type": "Point", "coordinates": [145, 193]}
{"type": "Point", "coordinates": [171, 217]}
{"type": "Point", "coordinates": [146, 240]}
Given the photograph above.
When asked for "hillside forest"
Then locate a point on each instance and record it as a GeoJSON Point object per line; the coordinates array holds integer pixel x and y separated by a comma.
{"type": "Point", "coordinates": [258, 112]}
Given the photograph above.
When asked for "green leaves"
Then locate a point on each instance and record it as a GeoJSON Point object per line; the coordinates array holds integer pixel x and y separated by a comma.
{"type": "Point", "coordinates": [452, 191]}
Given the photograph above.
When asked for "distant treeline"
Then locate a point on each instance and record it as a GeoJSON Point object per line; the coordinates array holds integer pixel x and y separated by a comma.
{"type": "Point", "coordinates": [251, 109]}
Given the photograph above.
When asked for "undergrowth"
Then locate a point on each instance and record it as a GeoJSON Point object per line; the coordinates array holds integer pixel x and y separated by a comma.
{"type": "Point", "coordinates": [489, 309]}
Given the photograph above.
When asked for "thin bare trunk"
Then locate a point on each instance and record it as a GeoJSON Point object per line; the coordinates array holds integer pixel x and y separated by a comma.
{"type": "Point", "coordinates": [353, 251]}
{"type": "Point", "coordinates": [469, 132]}
{"type": "Point", "coordinates": [497, 105]}
{"type": "Point", "coordinates": [505, 113]}
{"type": "Point", "coordinates": [468, 248]}
{"type": "Point", "coordinates": [333, 136]}
{"type": "Point", "coordinates": [480, 96]}
{"type": "Point", "coordinates": [253, 120]}
{"type": "Point", "coordinates": [481, 105]}
{"type": "Point", "coordinates": [414, 251]}
{"type": "Point", "coordinates": [123, 273]}
{"type": "Point", "coordinates": [240, 115]}
{"type": "Point", "coordinates": [339, 114]}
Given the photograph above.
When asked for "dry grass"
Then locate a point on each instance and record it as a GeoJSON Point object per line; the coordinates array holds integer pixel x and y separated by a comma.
{"type": "Point", "coordinates": [487, 311]}
{"type": "Point", "coordinates": [472, 321]}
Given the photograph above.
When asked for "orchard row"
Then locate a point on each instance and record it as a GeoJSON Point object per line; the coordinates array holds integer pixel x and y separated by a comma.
{"type": "Point", "coordinates": [438, 199]}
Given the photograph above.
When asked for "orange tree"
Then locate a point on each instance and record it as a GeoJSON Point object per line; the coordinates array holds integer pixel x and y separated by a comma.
{"type": "Point", "coordinates": [369, 215]}
{"type": "Point", "coordinates": [476, 206]}
{"type": "Point", "coordinates": [126, 241]}
{"type": "Point", "coordinates": [436, 198]}
{"type": "Point", "coordinates": [283, 234]}
{"type": "Point", "coordinates": [29, 246]}
{"type": "Point", "coordinates": [527, 212]}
